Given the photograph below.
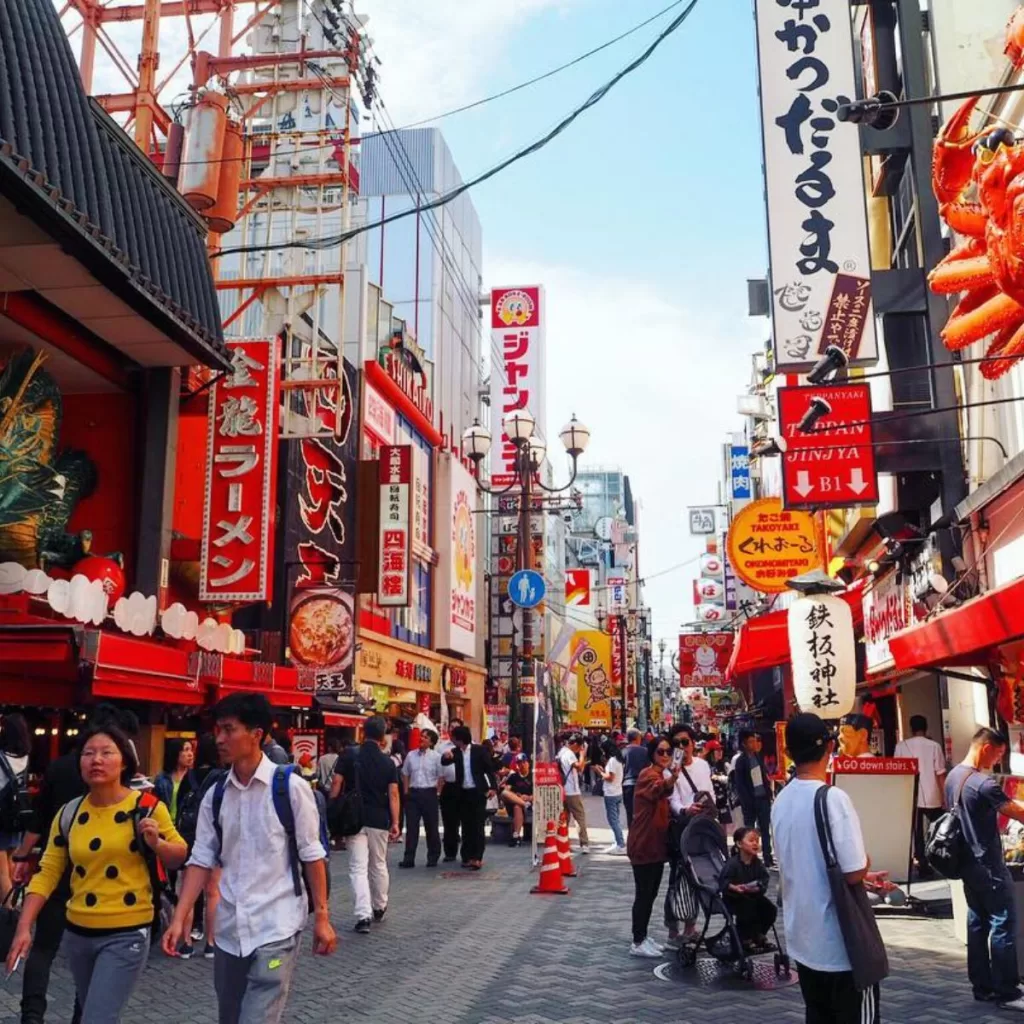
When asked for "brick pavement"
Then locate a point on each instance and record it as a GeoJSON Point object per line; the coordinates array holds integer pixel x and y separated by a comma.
{"type": "Point", "coordinates": [478, 949]}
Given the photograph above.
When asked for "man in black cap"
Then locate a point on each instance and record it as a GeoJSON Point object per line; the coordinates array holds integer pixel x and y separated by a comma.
{"type": "Point", "coordinates": [813, 935]}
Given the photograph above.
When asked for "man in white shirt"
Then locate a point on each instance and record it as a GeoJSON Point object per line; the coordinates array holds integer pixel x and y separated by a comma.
{"type": "Point", "coordinates": [570, 763]}
{"type": "Point", "coordinates": [262, 908]}
{"type": "Point", "coordinates": [422, 778]}
{"type": "Point", "coordinates": [813, 936]}
{"type": "Point", "coordinates": [931, 778]}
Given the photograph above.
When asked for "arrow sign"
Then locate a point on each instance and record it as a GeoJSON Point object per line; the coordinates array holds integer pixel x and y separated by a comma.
{"type": "Point", "coordinates": [833, 464]}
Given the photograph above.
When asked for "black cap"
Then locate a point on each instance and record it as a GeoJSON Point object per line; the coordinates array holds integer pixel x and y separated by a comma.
{"type": "Point", "coordinates": [807, 736]}
{"type": "Point", "coordinates": [857, 721]}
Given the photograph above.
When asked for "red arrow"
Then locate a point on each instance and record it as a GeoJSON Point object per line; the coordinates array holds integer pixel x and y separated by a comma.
{"type": "Point", "coordinates": [857, 482]}
{"type": "Point", "coordinates": [803, 485]}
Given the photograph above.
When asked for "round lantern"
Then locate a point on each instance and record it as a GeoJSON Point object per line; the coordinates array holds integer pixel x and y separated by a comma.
{"type": "Point", "coordinates": [107, 571]}
{"type": "Point", "coordinates": [823, 656]}
{"type": "Point", "coordinates": [710, 590]}
{"type": "Point", "coordinates": [711, 564]}
{"type": "Point", "coordinates": [710, 612]}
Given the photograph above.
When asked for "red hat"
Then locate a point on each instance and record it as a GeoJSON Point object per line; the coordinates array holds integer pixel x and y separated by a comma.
{"type": "Point", "coordinates": [712, 745]}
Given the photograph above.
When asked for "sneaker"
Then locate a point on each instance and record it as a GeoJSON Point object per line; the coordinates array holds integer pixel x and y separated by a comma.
{"type": "Point", "coordinates": [609, 849]}
{"type": "Point", "coordinates": [378, 915]}
{"type": "Point", "coordinates": [197, 934]}
{"type": "Point", "coordinates": [208, 951]}
{"type": "Point", "coordinates": [584, 850]}
{"type": "Point", "coordinates": [363, 926]}
{"type": "Point", "coordinates": [448, 860]}
{"type": "Point", "coordinates": [1016, 1005]}
{"type": "Point", "coordinates": [619, 851]}
{"type": "Point", "coordinates": [656, 946]}
{"type": "Point", "coordinates": [186, 952]}
{"type": "Point", "coordinates": [642, 950]}
{"type": "Point", "coordinates": [406, 864]}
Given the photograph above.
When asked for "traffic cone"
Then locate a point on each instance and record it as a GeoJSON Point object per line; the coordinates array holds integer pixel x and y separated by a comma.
{"type": "Point", "coordinates": [550, 869]}
{"type": "Point", "coordinates": [564, 856]}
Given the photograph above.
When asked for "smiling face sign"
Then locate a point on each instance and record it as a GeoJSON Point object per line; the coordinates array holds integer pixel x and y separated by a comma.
{"type": "Point", "coordinates": [703, 658]}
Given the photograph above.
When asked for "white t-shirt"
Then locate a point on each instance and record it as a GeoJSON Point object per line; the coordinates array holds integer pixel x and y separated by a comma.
{"type": "Point", "coordinates": [684, 794]}
{"type": "Point", "coordinates": [813, 937]}
{"type": "Point", "coordinates": [613, 786]}
{"type": "Point", "coordinates": [931, 763]}
{"type": "Point", "coordinates": [568, 762]}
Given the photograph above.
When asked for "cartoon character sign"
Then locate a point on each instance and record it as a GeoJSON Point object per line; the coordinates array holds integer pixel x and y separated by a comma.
{"type": "Point", "coordinates": [591, 663]}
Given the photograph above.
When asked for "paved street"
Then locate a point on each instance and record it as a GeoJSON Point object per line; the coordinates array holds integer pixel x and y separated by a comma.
{"type": "Point", "coordinates": [478, 949]}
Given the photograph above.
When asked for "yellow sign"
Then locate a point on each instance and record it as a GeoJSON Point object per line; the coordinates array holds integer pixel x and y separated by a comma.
{"type": "Point", "coordinates": [592, 664]}
{"type": "Point", "coordinates": [769, 544]}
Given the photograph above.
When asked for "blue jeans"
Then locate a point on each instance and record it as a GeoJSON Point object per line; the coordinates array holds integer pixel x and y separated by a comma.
{"type": "Point", "coordinates": [612, 811]}
{"type": "Point", "coordinates": [991, 932]}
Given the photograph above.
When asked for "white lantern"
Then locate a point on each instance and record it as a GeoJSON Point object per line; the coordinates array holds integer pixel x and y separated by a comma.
{"type": "Point", "coordinates": [822, 653]}
{"type": "Point", "coordinates": [711, 565]}
{"type": "Point", "coordinates": [710, 612]}
{"type": "Point", "coordinates": [710, 590]}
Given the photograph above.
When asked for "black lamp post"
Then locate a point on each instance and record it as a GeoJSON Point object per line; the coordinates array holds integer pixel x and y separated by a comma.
{"type": "Point", "coordinates": [530, 452]}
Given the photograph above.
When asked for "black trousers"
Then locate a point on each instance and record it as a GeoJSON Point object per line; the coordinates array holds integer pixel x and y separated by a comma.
{"type": "Point", "coordinates": [754, 915]}
{"type": "Point", "coordinates": [49, 932]}
{"type": "Point", "coordinates": [922, 821]}
{"type": "Point", "coordinates": [830, 997]}
{"type": "Point", "coordinates": [646, 883]}
{"type": "Point", "coordinates": [421, 805]}
{"type": "Point", "coordinates": [627, 800]}
{"type": "Point", "coordinates": [472, 817]}
{"type": "Point", "coordinates": [451, 817]}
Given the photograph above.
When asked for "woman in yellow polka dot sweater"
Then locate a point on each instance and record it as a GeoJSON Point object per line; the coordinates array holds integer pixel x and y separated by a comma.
{"type": "Point", "coordinates": [111, 910]}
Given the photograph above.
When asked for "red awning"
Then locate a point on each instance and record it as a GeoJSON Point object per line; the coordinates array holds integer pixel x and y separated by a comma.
{"type": "Point", "coordinates": [964, 635]}
{"type": "Point", "coordinates": [763, 642]}
{"type": "Point", "coordinates": [130, 668]}
{"type": "Point", "coordinates": [282, 686]}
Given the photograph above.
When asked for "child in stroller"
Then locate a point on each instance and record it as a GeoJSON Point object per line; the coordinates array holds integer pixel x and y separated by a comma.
{"type": "Point", "coordinates": [743, 884]}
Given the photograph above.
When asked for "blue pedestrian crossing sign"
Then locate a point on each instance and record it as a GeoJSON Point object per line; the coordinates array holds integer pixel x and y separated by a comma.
{"type": "Point", "coordinates": [527, 588]}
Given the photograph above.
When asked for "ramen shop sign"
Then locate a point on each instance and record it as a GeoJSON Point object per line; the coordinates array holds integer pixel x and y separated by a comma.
{"type": "Point", "coordinates": [394, 547]}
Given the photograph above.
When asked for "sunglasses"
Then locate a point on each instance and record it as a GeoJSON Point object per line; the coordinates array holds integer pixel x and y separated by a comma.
{"type": "Point", "coordinates": [683, 741]}
{"type": "Point", "coordinates": [662, 752]}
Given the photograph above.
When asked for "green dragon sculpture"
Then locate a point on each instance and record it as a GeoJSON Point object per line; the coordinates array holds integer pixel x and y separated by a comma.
{"type": "Point", "coordinates": [39, 484]}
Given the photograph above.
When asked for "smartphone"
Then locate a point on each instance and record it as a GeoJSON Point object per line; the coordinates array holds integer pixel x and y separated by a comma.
{"type": "Point", "coordinates": [677, 757]}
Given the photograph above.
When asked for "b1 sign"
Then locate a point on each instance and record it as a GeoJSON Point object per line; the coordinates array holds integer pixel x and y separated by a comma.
{"type": "Point", "coordinates": [814, 182]}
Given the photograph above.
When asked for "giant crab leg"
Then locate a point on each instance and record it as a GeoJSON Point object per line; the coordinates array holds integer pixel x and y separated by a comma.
{"type": "Point", "coordinates": [973, 299]}
{"type": "Point", "coordinates": [999, 312]}
{"type": "Point", "coordinates": [1009, 342]}
{"type": "Point", "coordinates": [960, 273]}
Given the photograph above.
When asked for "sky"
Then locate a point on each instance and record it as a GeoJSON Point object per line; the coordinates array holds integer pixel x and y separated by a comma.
{"type": "Point", "coordinates": [643, 221]}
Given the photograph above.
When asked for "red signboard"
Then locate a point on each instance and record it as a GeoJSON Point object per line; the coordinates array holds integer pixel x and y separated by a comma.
{"type": "Point", "coordinates": [395, 539]}
{"type": "Point", "coordinates": [547, 773]}
{"type": "Point", "coordinates": [703, 658]}
{"type": "Point", "coordinates": [577, 587]}
{"type": "Point", "coordinates": [237, 558]}
{"type": "Point", "coordinates": [875, 766]}
{"type": "Point", "coordinates": [833, 464]}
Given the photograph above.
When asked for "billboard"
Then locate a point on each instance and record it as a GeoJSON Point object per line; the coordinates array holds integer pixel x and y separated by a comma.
{"type": "Point", "coordinates": [595, 690]}
{"type": "Point", "coordinates": [394, 538]}
{"type": "Point", "coordinates": [703, 659]}
{"type": "Point", "coordinates": [814, 185]}
{"type": "Point", "coordinates": [455, 609]}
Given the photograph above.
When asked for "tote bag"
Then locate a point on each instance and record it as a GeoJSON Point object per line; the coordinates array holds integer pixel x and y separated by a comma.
{"type": "Point", "coordinates": [861, 938]}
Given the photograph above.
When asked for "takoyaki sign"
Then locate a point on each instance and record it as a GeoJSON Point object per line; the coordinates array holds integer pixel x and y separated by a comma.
{"type": "Point", "coordinates": [703, 659]}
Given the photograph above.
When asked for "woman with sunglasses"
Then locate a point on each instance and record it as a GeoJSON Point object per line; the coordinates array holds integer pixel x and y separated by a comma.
{"type": "Point", "coordinates": [647, 845]}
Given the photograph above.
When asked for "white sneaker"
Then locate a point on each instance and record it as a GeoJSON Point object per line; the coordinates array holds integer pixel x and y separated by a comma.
{"type": "Point", "coordinates": [197, 934]}
{"type": "Point", "coordinates": [657, 947]}
{"type": "Point", "coordinates": [643, 950]}
{"type": "Point", "coordinates": [584, 849]}
{"type": "Point", "coordinates": [609, 849]}
{"type": "Point", "coordinates": [619, 851]}
{"type": "Point", "coordinates": [1017, 1005]}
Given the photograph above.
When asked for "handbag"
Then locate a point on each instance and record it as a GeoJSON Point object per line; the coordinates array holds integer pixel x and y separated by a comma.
{"type": "Point", "coordinates": [945, 848]}
{"type": "Point", "coordinates": [868, 960]}
{"type": "Point", "coordinates": [705, 801]}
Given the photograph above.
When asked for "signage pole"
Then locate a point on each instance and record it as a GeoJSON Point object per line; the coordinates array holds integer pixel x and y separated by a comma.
{"type": "Point", "coordinates": [524, 560]}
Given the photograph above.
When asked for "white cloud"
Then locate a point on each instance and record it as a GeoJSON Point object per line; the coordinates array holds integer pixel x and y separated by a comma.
{"type": "Point", "coordinates": [654, 382]}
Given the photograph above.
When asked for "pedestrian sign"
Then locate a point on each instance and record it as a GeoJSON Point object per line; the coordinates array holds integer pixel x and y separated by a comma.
{"type": "Point", "coordinates": [526, 588]}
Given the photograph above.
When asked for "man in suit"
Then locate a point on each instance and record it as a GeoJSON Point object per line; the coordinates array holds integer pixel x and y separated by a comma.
{"type": "Point", "coordinates": [475, 782]}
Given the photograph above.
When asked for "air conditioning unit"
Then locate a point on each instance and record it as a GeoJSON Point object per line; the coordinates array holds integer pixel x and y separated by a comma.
{"type": "Point", "coordinates": [755, 406]}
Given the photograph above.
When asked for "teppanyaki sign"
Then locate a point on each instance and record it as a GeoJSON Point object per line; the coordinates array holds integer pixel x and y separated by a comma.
{"type": "Point", "coordinates": [832, 465]}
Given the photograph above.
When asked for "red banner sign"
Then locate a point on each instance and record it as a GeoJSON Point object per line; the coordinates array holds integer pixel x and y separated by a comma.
{"type": "Point", "coordinates": [833, 464]}
{"type": "Point", "coordinates": [703, 658]}
{"type": "Point", "coordinates": [875, 766]}
{"type": "Point", "coordinates": [395, 539]}
{"type": "Point", "coordinates": [237, 557]}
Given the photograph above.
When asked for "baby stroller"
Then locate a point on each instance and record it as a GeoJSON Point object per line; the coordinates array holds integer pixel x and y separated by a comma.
{"type": "Point", "coordinates": [703, 853]}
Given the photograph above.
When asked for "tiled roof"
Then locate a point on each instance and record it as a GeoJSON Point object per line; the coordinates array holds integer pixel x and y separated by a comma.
{"type": "Point", "coordinates": [62, 158]}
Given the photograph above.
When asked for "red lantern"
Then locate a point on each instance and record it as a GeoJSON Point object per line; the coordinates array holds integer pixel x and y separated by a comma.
{"type": "Point", "coordinates": [108, 571]}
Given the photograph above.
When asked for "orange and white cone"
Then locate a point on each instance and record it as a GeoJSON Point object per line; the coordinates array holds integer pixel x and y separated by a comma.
{"type": "Point", "coordinates": [564, 856]}
{"type": "Point", "coordinates": [550, 868]}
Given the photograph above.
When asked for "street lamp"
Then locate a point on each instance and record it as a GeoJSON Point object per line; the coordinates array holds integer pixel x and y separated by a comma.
{"type": "Point", "coordinates": [530, 451]}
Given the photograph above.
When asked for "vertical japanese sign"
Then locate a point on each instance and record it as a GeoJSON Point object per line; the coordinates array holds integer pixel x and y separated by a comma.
{"type": "Point", "coordinates": [823, 655]}
{"type": "Point", "coordinates": [455, 606]}
{"type": "Point", "coordinates": [814, 182]}
{"type": "Point", "coordinates": [739, 472]}
{"type": "Point", "coordinates": [237, 558]}
{"type": "Point", "coordinates": [517, 375]}
{"type": "Point", "coordinates": [395, 538]}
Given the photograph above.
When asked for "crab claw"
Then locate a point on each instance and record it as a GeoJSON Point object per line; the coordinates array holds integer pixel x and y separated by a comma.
{"type": "Point", "coordinates": [1009, 342]}
{"type": "Point", "coordinates": [1015, 38]}
{"type": "Point", "coordinates": [953, 155]}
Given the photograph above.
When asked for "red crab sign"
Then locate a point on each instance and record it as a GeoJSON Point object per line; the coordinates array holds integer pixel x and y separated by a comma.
{"type": "Point", "coordinates": [989, 266]}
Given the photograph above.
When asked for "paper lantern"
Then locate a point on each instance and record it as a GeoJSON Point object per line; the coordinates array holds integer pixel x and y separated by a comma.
{"type": "Point", "coordinates": [12, 577]}
{"type": "Point", "coordinates": [710, 590]}
{"type": "Point", "coordinates": [710, 612]}
{"type": "Point", "coordinates": [823, 656]}
{"type": "Point", "coordinates": [107, 571]}
{"type": "Point", "coordinates": [711, 565]}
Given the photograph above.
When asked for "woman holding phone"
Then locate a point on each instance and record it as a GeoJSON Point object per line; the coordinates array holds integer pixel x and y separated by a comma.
{"type": "Point", "coordinates": [112, 839]}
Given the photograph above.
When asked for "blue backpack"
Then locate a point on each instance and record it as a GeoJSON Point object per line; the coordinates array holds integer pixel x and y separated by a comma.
{"type": "Point", "coordinates": [283, 809]}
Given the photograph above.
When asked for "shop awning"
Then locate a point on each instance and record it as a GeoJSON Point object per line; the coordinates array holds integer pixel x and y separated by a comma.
{"type": "Point", "coordinates": [763, 642]}
{"type": "Point", "coordinates": [284, 687]}
{"type": "Point", "coordinates": [129, 668]}
{"type": "Point", "coordinates": [966, 635]}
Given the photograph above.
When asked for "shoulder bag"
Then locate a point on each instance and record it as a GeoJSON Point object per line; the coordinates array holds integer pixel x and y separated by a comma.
{"type": "Point", "coordinates": [946, 849]}
{"type": "Point", "coordinates": [864, 946]}
{"type": "Point", "coordinates": [345, 814]}
{"type": "Point", "coordinates": [704, 800]}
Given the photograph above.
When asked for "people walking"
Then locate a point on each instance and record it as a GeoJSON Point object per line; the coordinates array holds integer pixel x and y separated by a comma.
{"type": "Point", "coordinates": [117, 840]}
{"type": "Point", "coordinates": [451, 804]}
{"type": "Point", "coordinates": [422, 780]}
{"type": "Point", "coordinates": [813, 934]}
{"type": "Point", "coordinates": [571, 764]}
{"type": "Point", "coordinates": [475, 783]}
{"type": "Point", "coordinates": [179, 760]}
{"type": "Point", "coordinates": [611, 778]}
{"type": "Point", "coordinates": [15, 746]}
{"type": "Point", "coordinates": [635, 759]}
{"type": "Point", "coordinates": [326, 764]}
{"type": "Point", "coordinates": [260, 824]}
{"type": "Point", "coordinates": [931, 779]}
{"type": "Point", "coordinates": [988, 886]}
{"type": "Point", "coordinates": [370, 772]}
{"type": "Point", "coordinates": [754, 790]}
{"type": "Point", "coordinates": [648, 841]}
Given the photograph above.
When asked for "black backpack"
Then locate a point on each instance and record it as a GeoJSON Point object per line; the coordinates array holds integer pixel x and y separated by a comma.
{"type": "Point", "coordinates": [189, 804]}
{"type": "Point", "coordinates": [345, 814]}
{"type": "Point", "coordinates": [946, 849]}
{"type": "Point", "coordinates": [15, 804]}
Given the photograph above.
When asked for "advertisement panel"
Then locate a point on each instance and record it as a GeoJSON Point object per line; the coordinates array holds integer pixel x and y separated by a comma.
{"type": "Point", "coordinates": [237, 557]}
{"type": "Point", "coordinates": [595, 690]}
{"type": "Point", "coordinates": [378, 415]}
{"type": "Point", "coordinates": [814, 183]}
{"type": "Point", "coordinates": [577, 588]}
{"type": "Point", "coordinates": [739, 472]}
{"type": "Point", "coordinates": [517, 377]}
{"type": "Point", "coordinates": [394, 539]}
{"type": "Point", "coordinates": [768, 545]}
{"type": "Point", "coordinates": [703, 659]}
{"type": "Point", "coordinates": [455, 611]}
{"type": "Point", "coordinates": [887, 610]}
